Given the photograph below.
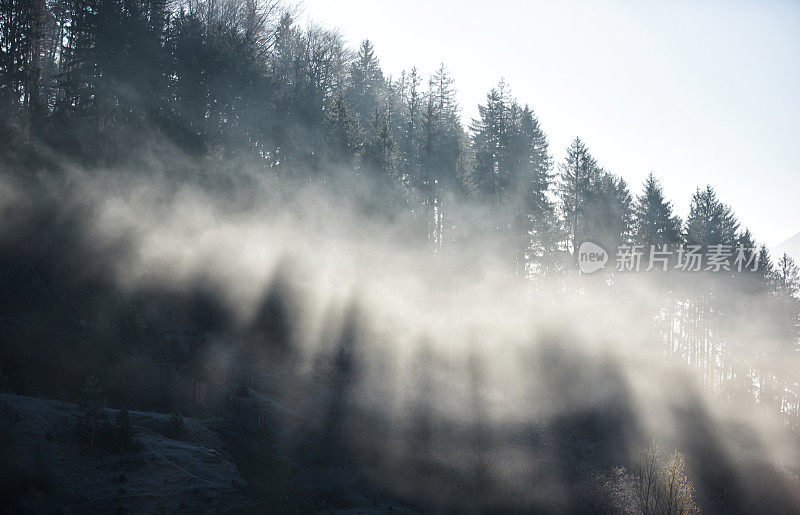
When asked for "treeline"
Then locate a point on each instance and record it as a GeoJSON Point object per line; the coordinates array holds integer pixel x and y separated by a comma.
{"type": "Point", "coordinates": [223, 80]}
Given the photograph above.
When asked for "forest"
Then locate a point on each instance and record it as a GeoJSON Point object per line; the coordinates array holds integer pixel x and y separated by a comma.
{"type": "Point", "coordinates": [216, 214]}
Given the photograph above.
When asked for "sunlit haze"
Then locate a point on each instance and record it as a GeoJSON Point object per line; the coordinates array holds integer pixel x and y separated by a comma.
{"type": "Point", "coordinates": [248, 266]}
{"type": "Point", "coordinates": [697, 92]}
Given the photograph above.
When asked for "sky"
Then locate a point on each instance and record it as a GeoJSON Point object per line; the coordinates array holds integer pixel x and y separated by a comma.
{"type": "Point", "coordinates": [696, 92]}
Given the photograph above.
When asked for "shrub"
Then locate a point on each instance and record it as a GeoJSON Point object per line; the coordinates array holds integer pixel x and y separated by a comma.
{"type": "Point", "coordinates": [610, 492]}
{"type": "Point", "coordinates": [662, 486]}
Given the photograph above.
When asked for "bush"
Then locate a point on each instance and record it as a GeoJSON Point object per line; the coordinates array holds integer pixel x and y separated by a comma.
{"type": "Point", "coordinates": [611, 492]}
{"type": "Point", "coordinates": [662, 486]}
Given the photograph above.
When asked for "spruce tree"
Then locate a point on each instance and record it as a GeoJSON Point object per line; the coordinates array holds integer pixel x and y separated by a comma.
{"type": "Point", "coordinates": [578, 171]}
{"type": "Point", "coordinates": [343, 133]}
{"type": "Point", "coordinates": [710, 222]}
{"type": "Point", "coordinates": [366, 84]}
{"type": "Point", "coordinates": [607, 211]}
{"type": "Point", "coordinates": [488, 142]}
{"type": "Point", "coordinates": [379, 149]}
{"type": "Point", "coordinates": [653, 221]}
{"type": "Point", "coordinates": [787, 277]}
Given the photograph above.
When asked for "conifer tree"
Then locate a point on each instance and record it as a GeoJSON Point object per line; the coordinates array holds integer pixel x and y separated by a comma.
{"type": "Point", "coordinates": [607, 211]}
{"type": "Point", "coordinates": [488, 141]}
{"type": "Point", "coordinates": [410, 129]}
{"type": "Point", "coordinates": [22, 24]}
{"type": "Point", "coordinates": [653, 221]}
{"type": "Point", "coordinates": [578, 171]}
{"type": "Point", "coordinates": [366, 84]}
{"type": "Point", "coordinates": [787, 277]}
{"type": "Point", "coordinates": [344, 133]}
{"type": "Point", "coordinates": [379, 150]}
{"type": "Point", "coordinates": [710, 222]}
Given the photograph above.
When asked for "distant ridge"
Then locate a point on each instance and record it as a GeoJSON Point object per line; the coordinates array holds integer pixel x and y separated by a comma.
{"type": "Point", "coordinates": [790, 246]}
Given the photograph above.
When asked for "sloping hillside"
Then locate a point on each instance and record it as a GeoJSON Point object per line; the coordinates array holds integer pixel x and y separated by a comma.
{"type": "Point", "coordinates": [790, 246]}
{"type": "Point", "coordinates": [45, 467]}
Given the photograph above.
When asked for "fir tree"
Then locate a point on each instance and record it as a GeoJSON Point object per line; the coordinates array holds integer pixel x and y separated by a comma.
{"type": "Point", "coordinates": [653, 221]}
{"type": "Point", "coordinates": [578, 171]}
{"type": "Point", "coordinates": [710, 222]}
{"type": "Point", "coordinates": [366, 83]}
{"type": "Point", "coordinates": [344, 133]}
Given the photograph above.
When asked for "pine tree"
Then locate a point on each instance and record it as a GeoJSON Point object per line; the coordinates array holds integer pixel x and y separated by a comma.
{"type": "Point", "coordinates": [444, 144]}
{"type": "Point", "coordinates": [710, 222]}
{"type": "Point", "coordinates": [578, 171]}
{"type": "Point", "coordinates": [79, 57]}
{"type": "Point", "coordinates": [766, 269]}
{"type": "Point", "coordinates": [366, 84]}
{"type": "Point", "coordinates": [607, 211]}
{"type": "Point", "coordinates": [22, 24]}
{"type": "Point", "coordinates": [427, 183]}
{"type": "Point", "coordinates": [344, 133]}
{"type": "Point", "coordinates": [488, 142]}
{"type": "Point", "coordinates": [379, 150]}
{"type": "Point", "coordinates": [409, 129]}
{"type": "Point", "coordinates": [653, 221]}
{"type": "Point", "coordinates": [529, 165]}
{"type": "Point", "coordinates": [443, 147]}
{"type": "Point", "coordinates": [787, 277]}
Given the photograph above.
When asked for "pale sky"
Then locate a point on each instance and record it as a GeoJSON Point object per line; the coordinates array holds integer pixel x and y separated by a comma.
{"type": "Point", "coordinates": [696, 91]}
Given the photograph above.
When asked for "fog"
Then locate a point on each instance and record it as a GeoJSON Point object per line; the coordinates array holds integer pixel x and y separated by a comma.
{"type": "Point", "coordinates": [444, 378]}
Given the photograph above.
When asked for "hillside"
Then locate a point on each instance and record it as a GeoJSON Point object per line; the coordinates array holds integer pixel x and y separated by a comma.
{"type": "Point", "coordinates": [790, 246]}
{"type": "Point", "coordinates": [44, 466]}
{"type": "Point", "coordinates": [196, 467]}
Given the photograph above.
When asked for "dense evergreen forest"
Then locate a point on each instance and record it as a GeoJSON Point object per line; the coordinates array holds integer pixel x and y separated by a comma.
{"type": "Point", "coordinates": [221, 93]}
